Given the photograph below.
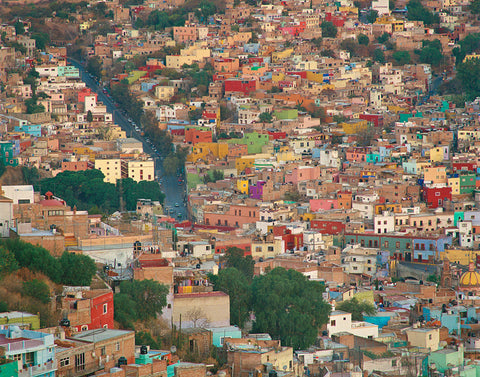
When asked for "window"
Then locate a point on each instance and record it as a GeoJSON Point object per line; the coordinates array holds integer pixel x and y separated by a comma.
{"type": "Point", "coordinates": [117, 346]}
{"type": "Point", "coordinates": [84, 328]}
{"type": "Point", "coordinates": [65, 362]}
{"type": "Point", "coordinates": [105, 307]}
{"type": "Point", "coordinates": [80, 362]}
{"type": "Point", "coordinates": [429, 336]}
{"type": "Point", "coordinates": [103, 351]}
{"type": "Point", "coordinates": [397, 244]}
{"type": "Point", "coordinates": [333, 323]}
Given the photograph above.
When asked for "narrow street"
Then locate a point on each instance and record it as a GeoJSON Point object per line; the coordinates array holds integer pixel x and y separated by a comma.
{"type": "Point", "coordinates": [175, 191]}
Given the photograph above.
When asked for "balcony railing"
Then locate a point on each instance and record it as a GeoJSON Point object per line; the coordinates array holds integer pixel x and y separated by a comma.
{"type": "Point", "coordinates": [36, 370]}
{"type": "Point", "coordinates": [79, 370]}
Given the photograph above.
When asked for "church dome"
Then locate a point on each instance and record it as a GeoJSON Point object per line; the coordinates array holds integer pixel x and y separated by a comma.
{"type": "Point", "coordinates": [471, 278]}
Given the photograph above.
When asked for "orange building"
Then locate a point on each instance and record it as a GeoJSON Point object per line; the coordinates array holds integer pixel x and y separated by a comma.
{"type": "Point", "coordinates": [194, 136]}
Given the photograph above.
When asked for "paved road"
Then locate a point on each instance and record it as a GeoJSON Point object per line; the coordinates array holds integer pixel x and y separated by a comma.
{"type": "Point", "coordinates": [175, 192]}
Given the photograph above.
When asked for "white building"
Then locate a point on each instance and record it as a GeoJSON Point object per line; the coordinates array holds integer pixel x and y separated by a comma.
{"type": "Point", "coordinates": [20, 194]}
{"type": "Point", "coordinates": [6, 216]}
{"type": "Point", "coordinates": [359, 260]}
{"type": "Point", "coordinates": [340, 321]}
{"type": "Point", "coordinates": [384, 223]}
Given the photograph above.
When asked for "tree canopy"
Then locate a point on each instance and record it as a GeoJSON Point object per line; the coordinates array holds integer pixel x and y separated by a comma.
{"type": "Point", "coordinates": [139, 300]}
{"type": "Point", "coordinates": [468, 73]}
{"type": "Point", "coordinates": [289, 307]}
{"type": "Point", "coordinates": [69, 269]}
{"type": "Point", "coordinates": [329, 30]}
{"type": "Point", "coordinates": [87, 190]}
{"type": "Point", "coordinates": [417, 12]}
{"type": "Point", "coordinates": [357, 308]}
{"type": "Point", "coordinates": [235, 258]}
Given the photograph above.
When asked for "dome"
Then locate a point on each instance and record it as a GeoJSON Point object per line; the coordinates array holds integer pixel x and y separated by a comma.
{"type": "Point", "coordinates": [471, 278]}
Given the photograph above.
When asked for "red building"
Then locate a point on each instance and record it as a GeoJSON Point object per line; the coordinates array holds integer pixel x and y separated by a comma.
{"type": "Point", "coordinates": [338, 21]}
{"type": "Point", "coordinates": [194, 136]}
{"type": "Point", "coordinates": [222, 246]}
{"type": "Point", "coordinates": [277, 135]}
{"type": "Point", "coordinates": [291, 241]}
{"type": "Point", "coordinates": [84, 93]}
{"type": "Point", "coordinates": [464, 166]}
{"type": "Point", "coordinates": [436, 196]}
{"type": "Point", "coordinates": [240, 86]}
{"type": "Point", "coordinates": [376, 119]}
{"type": "Point", "coordinates": [89, 310]}
{"type": "Point", "coordinates": [328, 226]}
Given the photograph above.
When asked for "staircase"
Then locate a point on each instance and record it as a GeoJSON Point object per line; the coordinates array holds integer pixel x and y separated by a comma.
{"type": "Point", "coordinates": [70, 240]}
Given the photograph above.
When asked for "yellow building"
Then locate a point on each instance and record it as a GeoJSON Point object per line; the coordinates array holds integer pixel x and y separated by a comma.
{"type": "Point", "coordinates": [164, 93]}
{"type": "Point", "coordinates": [204, 151]}
{"type": "Point", "coordinates": [278, 76]}
{"type": "Point", "coordinates": [140, 170]}
{"type": "Point", "coordinates": [84, 151]}
{"type": "Point", "coordinates": [354, 126]}
{"type": "Point", "coordinates": [439, 153]}
{"type": "Point", "coordinates": [435, 174]}
{"type": "Point", "coordinates": [267, 249]}
{"type": "Point", "coordinates": [426, 338]}
{"type": "Point", "coordinates": [242, 186]}
{"type": "Point", "coordinates": [397, 25]}
{"type": "Point", "coordinates": [244, 162]}
{"type": "Point", "coordinates": [287, 156]}
{"type": "Point", "coordinates": [454, 183]}
{"type": "Point", "coordinates": [459, 256]}
{"type": "Point", "coordinates": [111, 169]}
{"type": "Point", "coordinates": [177, 61]}
{"type": "Point", "coordinates": [276, 56]}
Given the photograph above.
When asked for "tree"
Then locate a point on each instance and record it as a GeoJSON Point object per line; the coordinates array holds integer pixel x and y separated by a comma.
{"type": "Point", "coordinates": [329, 30]}
{"type": "Point", "coordinates": [401, 57]}
{"type": "Point", "coordinates": [350, 45]}
{"type": "Point", "coordinates": [8, 263]}
{"type": "Point", "coordinates": [357, 308]}
{"type": "Point", "coordinates": [37, 289]}
{"type": "Point", "coordinates": [19, 28]}
{"type": "Point", "coordinates": [317, 42]}
{"type": "Point", "coordinates": [383, 38]}
{"type": "Point", "coordinates": [372, 16]}
{"type": "Point", "coordinates": [77, 269]}
{"type": "Point", "coordinates": [234, 283]}
{"type": "Point", "coordinates": [468, 73]}
{"type": "Point", "coordinates": [431, 56]}
{"type": "Point", "coordinates": [417, 12]}
{"type": "Point", "coordinates": [474, 7]}
{"type": "Point", "coordinates": [41, 40]}
{"type": "Point", "coordinates": [235, 258]}
{"type": "Point", "coordinates": [363, 39]}
{"type": "Point", "coordinates": [89, 116]}
{"type": "Point", "coordinates": [94, 67]}
{"type": "Point", "coordinates": [265, 117]}
{"type": "Point", "coordinates": [170, 165]}
{"type": "Point", "coordinates": [289, 307]}
{"type": "Point", "coordinates": [378, 56]}
{"type": "Point", "coordinates": [197, 316]}
{"type": "Point", "coordinates": [148, 296]}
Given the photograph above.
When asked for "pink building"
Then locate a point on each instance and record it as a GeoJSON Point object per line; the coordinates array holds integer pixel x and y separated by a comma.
{"type": "Point", "coordinates": [303, 173]}
{"type": "Point", "coordinates": [323, 204]}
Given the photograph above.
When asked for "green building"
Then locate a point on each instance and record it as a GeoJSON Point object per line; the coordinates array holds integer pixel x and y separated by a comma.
{"type": "Point", "coordinates": [467, 183]}
{"type": "Point", "coordinates": [21, 319]}
{"type": "Point", "coordinates": [254, 142]}
{"type": "Point", "coordinates": [8, 368]}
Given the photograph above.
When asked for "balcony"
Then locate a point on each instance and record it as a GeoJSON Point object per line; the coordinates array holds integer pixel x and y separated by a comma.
{"type": "Point", "coordinates": [36, 370]}
{"type": "Point", "coordinates": [79, 370]}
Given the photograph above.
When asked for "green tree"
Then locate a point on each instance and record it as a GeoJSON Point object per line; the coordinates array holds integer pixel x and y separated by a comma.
{"type": "Point", "coordinates": [19, 28]}
{"type": "Point", "coordinates": [372, 16]}
{"type": "Point", "coordinates": [350, 45]}
{"type": "Point", "coordinates": [235, 257]}
{"type": "Point", "coordinates": [383, 38]}
{"type": "Point", "coordinates": [94, 67]}
{"type": "Point", "coordinates": [329, 30]}
{"type": "Point", "coordinates": [236, 285]}
{"type": "Point", "coordinates": [266, 117]}
{"type": "Point", "coordinates": [42, 40]}
{"type": "Point", "coordinates": [77, 269]}
{"type": "Point", "coordinates": [145, 339]}
{"type": "Point", "coordinates": [363, 40]}
{"type": "Point", "coordinates": [149, 297]}
{"type": "Point", "coordinates": [89, 116]}
{"type": "Point", "coordinates": [474, 6]}
{"type": "Point", "coordinates": [170, 165]}
{"type": "Point", "coordinates": [417, 12]}
{"type": "Point", "coordinates": [401, 57]}
{"type": "Point", "coordinates": [37, 289]}
{"type": "Point", "coordinates": [431, 52]}
{"type": "Point", "coordinates": [8, 263]}
{"type": "Point", "coordinates": [434, 278]}
{"type": "Point", "coordinates": [378, 56]}
{"type": "Point", "coordinates": [317, 42]}
{"type": "Point", "coordinates": [289, 307]}
{"type": "Point", "coordinates": [468, 73]}
{"type": "Point", "coordinates": [357, 308]}
{"type": "Point", "coordinates": [125, 313]}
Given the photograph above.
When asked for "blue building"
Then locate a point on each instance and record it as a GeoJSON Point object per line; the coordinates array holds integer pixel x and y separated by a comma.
{"type": "Point", "coordinates": [30, 129]}
{"type": "Point", "coordinates": [34, 351]}
{"type": "Point", "coordinates": [220, 333]}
